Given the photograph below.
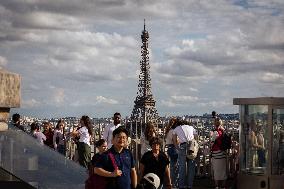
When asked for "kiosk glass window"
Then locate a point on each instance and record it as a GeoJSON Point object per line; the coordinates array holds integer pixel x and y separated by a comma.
{"type": "Point", "coordinates": [278, 141]}
{"type": "Point", "coordinates": [254, 138]}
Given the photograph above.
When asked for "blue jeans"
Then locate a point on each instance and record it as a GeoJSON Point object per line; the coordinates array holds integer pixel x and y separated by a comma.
{"type": "Point", "coordinates": [61, 149]}
{"type": "Point", "coordinates": [186, 168]}
{"type": "Point", "coordinates": [173, 156]}
{"type": "Point", "coordinates": [261, 157]}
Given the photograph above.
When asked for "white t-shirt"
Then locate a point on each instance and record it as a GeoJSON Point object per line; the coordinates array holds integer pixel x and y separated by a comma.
{"type": "Point", "coordinates": [84, 135]}
{"type": "Point", "coordinates": [185, 133]}
{"type": "Point", "coordinates": [39, 136]}
{"type": "Point", "coordinates": [107, 135]}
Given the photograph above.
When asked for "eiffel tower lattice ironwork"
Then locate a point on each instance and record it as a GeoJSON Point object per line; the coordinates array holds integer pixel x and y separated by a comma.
{"type": "Point", "coordinates": [144, 105]}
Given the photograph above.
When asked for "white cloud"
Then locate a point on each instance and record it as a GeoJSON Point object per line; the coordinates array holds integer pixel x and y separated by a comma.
{"type": "Point", "coordinates": [101, 99]}
{"type": "Point", "coordinates": [31, 103]}
{"type": "Point", "coordinates": [85, 55]}
{"type": "Point", "coordinates": [273, 78]}
{"type": "Point", "coordinates": [185, 98]}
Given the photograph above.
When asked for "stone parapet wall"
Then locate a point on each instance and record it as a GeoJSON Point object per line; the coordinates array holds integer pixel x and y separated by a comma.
{"type": "Point", "coordinates": [9, 90]}
{"type": "Point", "coordinates": [10, 96]}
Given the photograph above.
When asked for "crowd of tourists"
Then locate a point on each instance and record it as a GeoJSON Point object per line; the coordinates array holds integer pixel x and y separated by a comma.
{"type": "Point", "coordinates": [114, 166]}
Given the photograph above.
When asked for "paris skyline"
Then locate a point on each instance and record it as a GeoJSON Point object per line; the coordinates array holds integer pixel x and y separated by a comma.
{"type": "Point", "coordinates": [83, 57]}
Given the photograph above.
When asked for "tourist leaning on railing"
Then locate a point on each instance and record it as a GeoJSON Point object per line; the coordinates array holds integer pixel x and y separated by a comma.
{"type": "Point", "coordinates": [172, 150]}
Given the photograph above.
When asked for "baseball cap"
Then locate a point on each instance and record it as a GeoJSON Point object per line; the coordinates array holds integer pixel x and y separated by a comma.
{"type": "Point", "coordinates": [153, 179]}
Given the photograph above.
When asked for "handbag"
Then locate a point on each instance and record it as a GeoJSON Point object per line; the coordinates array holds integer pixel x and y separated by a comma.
{"type": "Point", "coordinates": [96, 181]}
{"type": "Point", "coordinates": [192, 149]}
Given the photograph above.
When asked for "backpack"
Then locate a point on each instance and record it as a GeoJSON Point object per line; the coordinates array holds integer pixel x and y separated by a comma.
{"type": "Point", "coordinates": [226, 141]}
{"type": "Point", "coordinates": [192, 149]}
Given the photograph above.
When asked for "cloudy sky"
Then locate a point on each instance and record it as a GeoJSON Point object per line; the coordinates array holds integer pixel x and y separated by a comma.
{"type": "Point", "coordinates": [82, 57]}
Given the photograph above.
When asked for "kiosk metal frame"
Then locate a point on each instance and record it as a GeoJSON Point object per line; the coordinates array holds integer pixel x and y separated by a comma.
{"type": "Point", "coordinates": [261, 131]}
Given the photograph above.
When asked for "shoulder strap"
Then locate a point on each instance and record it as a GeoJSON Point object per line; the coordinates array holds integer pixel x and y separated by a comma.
{"type": "Point", "coordinates": [112, 160]}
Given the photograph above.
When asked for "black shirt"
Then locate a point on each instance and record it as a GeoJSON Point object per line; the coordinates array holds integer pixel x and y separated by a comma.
{"type": "Point", "coordinates": [153, 165]}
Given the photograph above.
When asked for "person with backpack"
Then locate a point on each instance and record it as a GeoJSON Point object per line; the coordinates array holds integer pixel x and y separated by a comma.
{"type": "Point", "coordinates": [218, 155]}
{"type": "Point", "coordinates": [183, 135]}
{"type": "Point", "coordinates": [117, 164]}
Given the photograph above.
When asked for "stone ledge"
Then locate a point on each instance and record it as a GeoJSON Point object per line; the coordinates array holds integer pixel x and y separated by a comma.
{"type": "Point", "coordinates": [9, 90]}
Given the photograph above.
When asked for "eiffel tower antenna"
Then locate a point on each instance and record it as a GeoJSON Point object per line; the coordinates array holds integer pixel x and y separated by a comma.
{"type": "Point", "coordinates": [144, 105]}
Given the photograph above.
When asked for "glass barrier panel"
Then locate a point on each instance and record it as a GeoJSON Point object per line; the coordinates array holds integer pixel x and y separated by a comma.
{"type": "Point", "coordinates": [254, 136]}
{"type": "Point", "coordinates": [278, 142]}
{"type": "Point", "coordinates": [37, 164]}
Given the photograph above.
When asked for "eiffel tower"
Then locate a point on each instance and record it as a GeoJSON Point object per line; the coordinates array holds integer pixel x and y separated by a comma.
{"type": "Point", "coordinates": [144, 105]}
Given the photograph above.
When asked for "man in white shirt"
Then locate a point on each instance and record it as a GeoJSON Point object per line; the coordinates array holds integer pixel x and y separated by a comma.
{"type": "Point", "coordinates": [107, 134]}
{"type": "Point", "coordinates": [182, 134]}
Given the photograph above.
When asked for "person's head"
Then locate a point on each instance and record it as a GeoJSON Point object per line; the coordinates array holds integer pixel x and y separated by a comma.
{"type": "Point", "coordinates": [60, 124]}
{"type": "Point", "coordinates": [155, 144]}
{"type": "Point", "coordinates": [46, 126]}
{"type": "Point", "coordinates": [150, 181]}
{"type": "Point", "coordinates": [214, 115]}
{"type": "Point", "coordinates": [101, 145]}
{"type": "Point", "coordinates": [172, 125]}
{"type": "Point", "coordinates": [179, 122]}
{"type": "Point", "coordinates": [34, 127]}
{"type": "Point", "coordinates": [120, 137]}
{"type": "Point", "coordinates": [86, 121]}
{"type": "Point", "coordinates": [218, 122]}
{"type": "Point", "coordinates": [150, 131]}
{"type": "Point", "coordinates": [253, 125]}
{"type": "Point", "coordinates": [116, 118]}
{"type": "Point", "coordinates": [16, 118]}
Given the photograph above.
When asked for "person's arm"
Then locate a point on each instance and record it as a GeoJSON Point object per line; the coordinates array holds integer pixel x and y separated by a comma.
{"type": "Point", "coordinates": [168, 178]}
{"type": "Point", "coordinates": [105, 134]}
{"type": "Point", "coordinates": [175, 140]}
{"type": "Point", "coordinates": [54, 140]}
{"type": "Point", "coordinates": [133, 178]}
{"type": "Point", "coordinates": [104, 173]}
{"type": "Point", "coordinates": [43, 137]}
{"type": "Point", "coordinates": [141, 172]}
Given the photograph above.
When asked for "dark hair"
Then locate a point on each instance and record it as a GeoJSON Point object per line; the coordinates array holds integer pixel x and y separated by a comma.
{"type": "Point", "coordinates": [58, 123]}
{"type": "Point", "coordinates": [213, 114]}
{"type": "Point", "coordinates": [144, 184]}
{"type": "Point", "coordinates": [16, 117]}
{"type": "Point", "coordinates": [88, 124]}
{"type": "Point", "coordinates": [116, 113]}
{"type": "Point", "coordinates": [179, 122]}
{"type": "Point", "coordinates": [34, 126]}
{"type": "Point", "coordinates": [120, 129]}
{"type": "Point", "coordinates": [155, 140]}
{"type": "Point", "coordinates": [171, 125]}
{"type": "Point", "coordinates": [100, 142]}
